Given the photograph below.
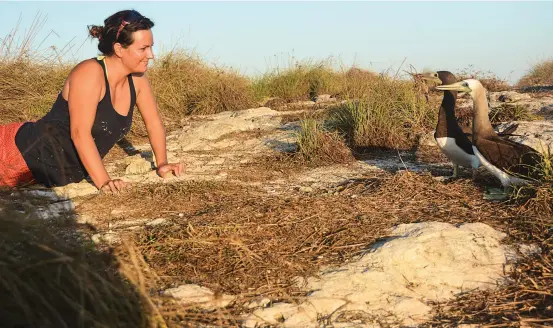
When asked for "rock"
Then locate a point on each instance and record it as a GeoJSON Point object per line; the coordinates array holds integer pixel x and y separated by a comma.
{"type": "Point", "coordinates": [324, 99]}
{"type": "Point", "coordinates": [305, 103]}
{"type": "Point", "coordinates": [138, 166]}
{"type": "Point", "coordinates": [127, 223]}
{"type": "Point", "coordinates": [53, 211]}
{"type": "Point", "coordinates": [155, 222]}
{"type": "Point", "coordinates": [273, 315]}
{"type": "Point", "coordinates": [216, 161]}
{"type": "Point", "coordinates": [199, 135]}
{"type": "Point", "coordinates": [201, 296]}
{"type": "Point", "coordinates": [306, 189]}
{"type": "Point", "coordinates": [535, 134]}
{"type": "Point", "coordinates": [536, 105]}
{"type": "Point", "coordinates": [86, 219]}
{"type": "Point", "coordinates": [395, 279]}
{"type": "Point", "coordinates": [274, 102]}
{"type": "Point", "coordinates": [528, 250]}
{"type": "Point", "coordinates": [46, 194]}
{"type": "Point", "coordinates": [109, 238]}
{"type": "Point", "coordinates": [508, 96]}
{"type": "Point", "coordinates": [73, 190]}
{"type": "Point", "coordinates": [258, 303]}
{"type": "Point", "coordinates": [546, 111]}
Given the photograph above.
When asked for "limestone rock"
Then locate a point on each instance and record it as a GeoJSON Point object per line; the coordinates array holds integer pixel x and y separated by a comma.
{"type": "Point", "coordinates": [201, 296]}
{"type": "Point", "coordinates": [396, 278]}
{"type": "Point", "coordinates": [536, 134]}
{"type": "Point", "coordinates": [196, 136]}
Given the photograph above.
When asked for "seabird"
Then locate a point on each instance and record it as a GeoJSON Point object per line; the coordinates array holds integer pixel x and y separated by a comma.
{"type": "Point", "coordinates": [511, 162]}
{"type": "Point", "coordinates": [453, 140]}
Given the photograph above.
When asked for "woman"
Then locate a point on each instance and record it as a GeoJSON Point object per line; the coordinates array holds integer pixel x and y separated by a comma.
{"type": "Point", "coordinates": [92, 112]}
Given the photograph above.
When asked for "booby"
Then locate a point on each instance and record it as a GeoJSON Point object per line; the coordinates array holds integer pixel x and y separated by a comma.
{"type": "Point", "coordinates": [512, 163]}
{"type": "Point", "coordinates": [453, 140]}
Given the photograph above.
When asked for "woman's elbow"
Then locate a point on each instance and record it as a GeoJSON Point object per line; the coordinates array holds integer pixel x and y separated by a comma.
{"type": "Point", "coordinates": [78, 135]}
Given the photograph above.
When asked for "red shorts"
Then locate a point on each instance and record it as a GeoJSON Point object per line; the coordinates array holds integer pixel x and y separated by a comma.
{"type": "Point", "coordinates": [13, 169]}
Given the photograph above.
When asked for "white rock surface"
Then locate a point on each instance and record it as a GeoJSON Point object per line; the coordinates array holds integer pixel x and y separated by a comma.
{"type": "Point", "coordinates": [138, 166]}
{"type": "Point", "coordinates": [226, 122]}
{"type": "Point", "coordinates": [54, 210]}
{"type": "Point", "coordinates": [536, 134]}
{"type": "Point", "coordinates": [396, 278]}
{"type": "Point", "coordinates": [200, 296]}
{"type": "Point", "coordinates": [110, 238]}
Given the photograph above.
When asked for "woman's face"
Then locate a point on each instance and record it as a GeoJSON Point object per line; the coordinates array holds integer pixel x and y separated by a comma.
{"type": "Point", "coordinates": [138, 54]}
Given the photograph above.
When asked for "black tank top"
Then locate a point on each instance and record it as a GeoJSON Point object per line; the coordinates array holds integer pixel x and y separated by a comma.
{"type": "Point", "coordinates": [47, 147]}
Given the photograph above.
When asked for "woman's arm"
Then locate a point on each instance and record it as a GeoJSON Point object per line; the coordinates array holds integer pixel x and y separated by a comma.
{"type": "Point", "coordinates": [147, 106]}
{"type": "Point", "coordinates": [85, 88]}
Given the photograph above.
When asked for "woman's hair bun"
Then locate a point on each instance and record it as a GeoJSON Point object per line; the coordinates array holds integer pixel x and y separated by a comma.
{"type": "Point", "coordinates": [96, 31]}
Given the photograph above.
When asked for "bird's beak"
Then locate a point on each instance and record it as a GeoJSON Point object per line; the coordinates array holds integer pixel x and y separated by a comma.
{"type": "Point", "coordinates": [458, 86]}
{"type": "Point", "coordinates": [430, 77]}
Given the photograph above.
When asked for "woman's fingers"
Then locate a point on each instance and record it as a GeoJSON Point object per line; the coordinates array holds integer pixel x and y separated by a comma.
{"type": "Point", "coordinates": [115, 186]}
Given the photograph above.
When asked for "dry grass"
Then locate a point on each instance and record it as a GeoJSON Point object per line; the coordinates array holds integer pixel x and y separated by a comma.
{"type": "Point", "coordinates": [392, 115]}
{"type": "Point", "coordinates": [318, 146]}
{"type": "Point", "coordinates": [540, 74]}
{"type": "Point", "coordinates": [30, 77]}
{"type": "Point", "coordinates": [243, 241]}
{"type": "Point", "coordinates": [239, 239]}
{"type": "Point", "coordinates": [307, 79]}
{"type": "Point", "coordinates": [184, 85]}
{"type": "Point", "coordinates": [51, 276]}
{"type": "Point", "coordinates": [489, 80]}
{"type": "Point", "coordinates": [511, 112]}
{"type": "Point", "coordinates": [527, 298]}
{"type": "Point", "coordinates": [301, 81]}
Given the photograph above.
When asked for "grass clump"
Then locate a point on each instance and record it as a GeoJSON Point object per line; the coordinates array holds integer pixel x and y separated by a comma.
{"type": "Point", "coordinates": [510, 112]}
{"type": "Point", "coordinates": [540, 74]}
{"type": "Point", "coordinates": [302, 81]}
{"type": "Point", "coordinates": [28, 90]}
{"type": "Point", "coordinates": [489, 80]}
{"type": "Point", "coordinates": [51, 277]}
{"type": "Point", "coordinates": [185, 85]}
{"type": "Point", "coordinates": [538, 197]}
{"type": "Point", "coordinates": [392, 115]}
{"type": "Point", "coordinates": [318, 146]}
{"type": "Point", "coordinates": [30, 77]}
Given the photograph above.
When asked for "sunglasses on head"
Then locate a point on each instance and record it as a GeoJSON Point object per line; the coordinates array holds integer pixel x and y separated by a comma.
{"type": "Point", "coordinates": [132, 16]}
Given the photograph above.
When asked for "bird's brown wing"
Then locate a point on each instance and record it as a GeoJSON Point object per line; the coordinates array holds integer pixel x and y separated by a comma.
{"type": "Point", "coordinates": [509, 130]}
{"type": "Point", "coordinates": [510, 156]}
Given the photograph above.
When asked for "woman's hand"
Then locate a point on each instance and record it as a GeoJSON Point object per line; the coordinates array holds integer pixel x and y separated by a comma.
{"type": "Point", "coordinates": [114, 186]}
{"type": "Point", "coordinates": [164, 169]}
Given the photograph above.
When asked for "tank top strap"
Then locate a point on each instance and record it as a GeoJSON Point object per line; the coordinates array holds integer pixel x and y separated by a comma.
{"type": "Point", "coordinates": [100, 60]}
{"type": "Point", "coordinates": [133, 91]}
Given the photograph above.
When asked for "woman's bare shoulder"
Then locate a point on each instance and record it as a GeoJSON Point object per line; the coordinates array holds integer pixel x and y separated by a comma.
{"type": "Point", "coordinates": [89, 67]}
{"type": "Point", "coordinates": [87, 74]}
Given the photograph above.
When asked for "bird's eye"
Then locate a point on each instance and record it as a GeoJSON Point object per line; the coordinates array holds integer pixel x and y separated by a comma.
{"type": "Point", "coordinates": [435, 74]}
